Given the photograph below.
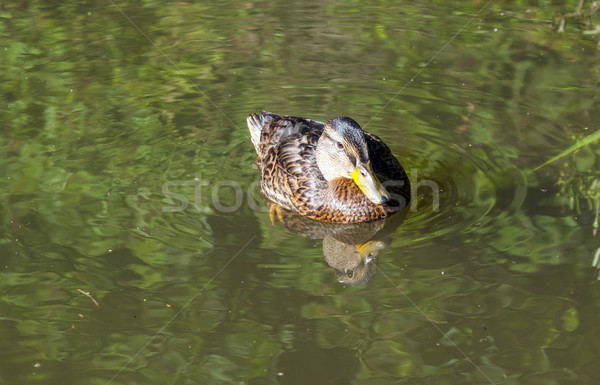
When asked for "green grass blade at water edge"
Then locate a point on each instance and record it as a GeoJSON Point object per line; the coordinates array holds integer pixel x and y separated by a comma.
{"type": "Point", "coordinates": [583, 142]}
{"type": "Point", "coordinates": [596, 259]}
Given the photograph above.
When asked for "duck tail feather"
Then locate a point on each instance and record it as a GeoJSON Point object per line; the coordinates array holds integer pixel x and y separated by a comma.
{"type": "Point", "coordinates": [256, 123]}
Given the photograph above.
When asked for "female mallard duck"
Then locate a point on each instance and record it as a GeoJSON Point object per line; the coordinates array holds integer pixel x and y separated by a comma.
{"type": "Point", "coordinates": [329, 171]}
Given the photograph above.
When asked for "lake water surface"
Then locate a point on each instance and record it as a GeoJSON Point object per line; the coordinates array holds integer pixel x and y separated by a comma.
{"type": "Point", "coordinates": [136, 248]}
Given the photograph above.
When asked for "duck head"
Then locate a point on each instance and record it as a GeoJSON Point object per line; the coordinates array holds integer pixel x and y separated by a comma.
{"type": "Point", "coordinates": [342, 153]}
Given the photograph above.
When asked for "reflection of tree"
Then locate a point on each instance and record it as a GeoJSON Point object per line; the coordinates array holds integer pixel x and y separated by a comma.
{"type": "Point", "coordinates": [585, 13]}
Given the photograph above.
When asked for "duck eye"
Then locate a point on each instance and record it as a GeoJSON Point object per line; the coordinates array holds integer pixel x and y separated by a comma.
{"type": "Point", "coordinates": [340, 145]}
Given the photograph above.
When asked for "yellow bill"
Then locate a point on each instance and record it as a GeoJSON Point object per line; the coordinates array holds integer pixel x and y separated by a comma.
{"type": "Point", "coordinates": [369, 250]}
{"type": "Point", "coordinates": [368, 183]}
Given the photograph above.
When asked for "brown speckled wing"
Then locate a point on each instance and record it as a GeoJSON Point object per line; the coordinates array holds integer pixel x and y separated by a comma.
{"type": "Point", "coordinates": [291, 177]}
{"type": "Point", "coordinates": [275, 129]}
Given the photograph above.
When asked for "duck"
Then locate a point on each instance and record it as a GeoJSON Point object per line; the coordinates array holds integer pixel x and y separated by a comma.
{"type": "Point", "coordinates": [331, 171]}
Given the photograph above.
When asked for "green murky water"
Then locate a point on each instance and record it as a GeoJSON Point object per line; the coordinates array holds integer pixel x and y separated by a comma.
{"type": "Point", "coordinates": [136, 249]}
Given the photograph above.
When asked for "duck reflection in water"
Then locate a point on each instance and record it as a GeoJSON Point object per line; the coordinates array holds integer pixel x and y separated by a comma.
{"type": "Point", "coordinates": [351, 249]}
